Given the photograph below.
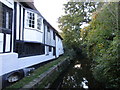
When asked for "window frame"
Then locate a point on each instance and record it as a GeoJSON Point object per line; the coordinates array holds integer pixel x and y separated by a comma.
{"type": "Point", "coordinates": [39, 18]}
{"type": "Point", "coordinates": [28, 19]}
{"type": "Point", "coordinates": [36, 15]}
{"type": "Point", "coordinates": [6, 15]}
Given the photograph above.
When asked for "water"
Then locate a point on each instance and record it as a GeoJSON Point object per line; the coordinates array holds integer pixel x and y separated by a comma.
{"type": "Point", "coordinates": [78, 75]}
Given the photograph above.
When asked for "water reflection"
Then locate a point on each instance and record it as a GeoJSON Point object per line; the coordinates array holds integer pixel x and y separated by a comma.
{"type": "Point", "coordinates": [79, 76]}
{"type": "Point", "coordinates": [74, 78]}
{"type": "Point", "coordinates": [84, 83]}
{"type": "Point", "coordinates": [78, 66]}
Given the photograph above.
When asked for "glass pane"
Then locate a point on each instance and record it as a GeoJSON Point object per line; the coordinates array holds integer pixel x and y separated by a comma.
{"type": "Point", "coordinates": [32, 26]}
{"type": "Point", "coordinates": [33, 15]}
{"type": "Point", "coordinates": [29, 25]}
{"type": "Point", "coordinates": [7, 20]}
{"type": "Point", "coordinates": [32, 22]}
{"type": "Point", "coordinates": [29, 21]}
{"type": "Point", "coordinates": [30, 14]}
{"type": "Point", "coordinates": [33, 18]}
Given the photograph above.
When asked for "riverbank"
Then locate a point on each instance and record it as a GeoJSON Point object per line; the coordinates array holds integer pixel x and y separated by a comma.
{"type": "Point", "coordinates": [38, 73]}
{"type": "Point", "coordinates": [64, 72]}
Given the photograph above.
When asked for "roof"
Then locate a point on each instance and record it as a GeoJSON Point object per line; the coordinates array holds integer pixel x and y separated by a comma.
{"type": "Point", "coordinates": [45, 21]}
{"type": "Point", "coordinates": [31, 6]}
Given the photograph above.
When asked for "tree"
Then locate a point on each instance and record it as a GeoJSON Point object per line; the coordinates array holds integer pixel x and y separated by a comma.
{"type": "Point", "coordinates": [102, 44]}
{"type": "Point", "coordinates": [75, 14]}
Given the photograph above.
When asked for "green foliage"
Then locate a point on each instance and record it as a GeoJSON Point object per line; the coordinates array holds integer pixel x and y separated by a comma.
{"type": "Point", "coordinates": [101, 40]}
{"type": "Point", "coordinates": [75, 14]}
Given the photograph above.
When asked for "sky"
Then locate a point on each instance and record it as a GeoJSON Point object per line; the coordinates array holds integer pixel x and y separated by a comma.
{"type": "Point", "coordinates": [51, 10]}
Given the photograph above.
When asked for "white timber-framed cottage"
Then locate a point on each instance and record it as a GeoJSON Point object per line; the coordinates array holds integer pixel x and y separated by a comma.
{"type": "Point", "coordinates": [26, 39]}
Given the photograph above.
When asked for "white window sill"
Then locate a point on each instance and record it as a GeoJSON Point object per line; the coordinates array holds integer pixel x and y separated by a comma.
{"type": "Point", "coordinates": [34, 29]}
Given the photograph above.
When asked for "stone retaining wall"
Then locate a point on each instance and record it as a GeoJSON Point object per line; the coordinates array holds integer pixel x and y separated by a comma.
{"type": "Point", "coordinates": [48, 77]}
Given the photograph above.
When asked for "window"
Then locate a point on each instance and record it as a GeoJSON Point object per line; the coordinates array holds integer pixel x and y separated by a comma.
{"type": "Point", "coordinates": [33, 20]}
{"type": "Point", "coordinates": [7, 20]}
{"type": "Point", "coordinates": [53, 35]}
{"type": "Point", "coordinates": [48, 36]}
{"type": "Point", "coordinates": [1, 14]}
{"type": "Point", "coordinates": [25, 49]}
{"type": "Point", "coordinates": [50, 48]}
{"type": "Point", "coordinates": [47, 50]}
{"type": "Point", "coordinates": [39, 22]}
{"type": "Point", "coordinates": [30, 19]}
{"type": "Point", "coordinates": [54, 51]}
{"type": "Point", "coordinates": [48, 29]}
{"type": "Point", "coordinates": [5, 17]}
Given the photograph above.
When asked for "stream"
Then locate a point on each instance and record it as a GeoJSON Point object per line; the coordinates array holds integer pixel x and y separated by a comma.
{"type": "Point", "coordinates": [78, 75]}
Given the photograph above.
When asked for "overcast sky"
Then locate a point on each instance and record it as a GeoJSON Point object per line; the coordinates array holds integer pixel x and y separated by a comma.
{"type": "Point", "coordinates": [51, 10]}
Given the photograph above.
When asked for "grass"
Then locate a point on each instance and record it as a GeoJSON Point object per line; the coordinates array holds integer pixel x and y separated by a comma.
{"type": "Point", "coordinates": [36, 73]}
{"type": "Point", "coordinates": [48, 80]}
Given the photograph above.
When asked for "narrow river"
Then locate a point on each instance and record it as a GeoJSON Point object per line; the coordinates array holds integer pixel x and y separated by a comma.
{"type": "Point", "coordinates": [78, 75]}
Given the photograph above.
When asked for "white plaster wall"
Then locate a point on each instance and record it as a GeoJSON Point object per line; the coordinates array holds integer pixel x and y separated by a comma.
{"type": "Point", "coordinates": [61, 51]}
{"type": "Point", "coordinates": [7, 47]}
{"type": "Point", "coordinates": [12, 32]}
{"type": "Point", "coordinates": [1, 42]}
{"type": "Point", "coordinates": [46, 50]}
{"type": "Point", "coordinates": [42, 26]}
{"type": "Point", "coordinates": [8, 62]}
{"type": "Point", "coordinates": [42, 30]}
{"type": "Point", "coordinates": [1, 73]}
{"type": "Point", "coordinates": [33, 35]}
{"type": "Point", "coordinates": [28, 61]}
{"type": "Point", "coordinates": [43, 40]}
{"type": "Point", "coordinates": [59, 46]}
{"type": "Point", "coordinates": [49, 38]}
{"type": "Point", "coordinates": [53, 42]}
{"type": "Point", "coordinates": [17, 22]}
{"type": "Point", "coordinates": [21, 23]}
{"type": "Point", "coordinates": [9, 3]}
{"type": "Point", "coordinates": [46, 34]}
